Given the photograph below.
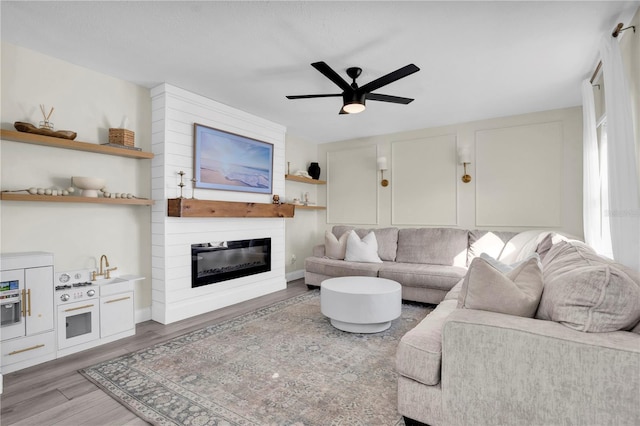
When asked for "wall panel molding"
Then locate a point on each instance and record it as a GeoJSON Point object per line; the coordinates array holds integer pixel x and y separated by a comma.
{"type": "Point", "coordinates": [352, 186]}
{"type": "Point", "coordinates": [424, 181]}
{"type": "Point", "coordinates": [519, 176]}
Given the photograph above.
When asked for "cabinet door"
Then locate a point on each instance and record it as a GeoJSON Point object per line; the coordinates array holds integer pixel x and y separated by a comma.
{"type": "Point", "coordinates": [39, 305]}
{"type": "Point", "coordinates": [116, 314]}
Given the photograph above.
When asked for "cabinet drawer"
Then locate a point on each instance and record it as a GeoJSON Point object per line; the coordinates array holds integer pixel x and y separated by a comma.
{"type": "Point", "coordinates": [25, 348]}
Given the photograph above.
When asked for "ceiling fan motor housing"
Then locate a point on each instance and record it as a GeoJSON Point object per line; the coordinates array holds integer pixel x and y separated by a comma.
{"type": "Point", "coordinates": [354, 97]}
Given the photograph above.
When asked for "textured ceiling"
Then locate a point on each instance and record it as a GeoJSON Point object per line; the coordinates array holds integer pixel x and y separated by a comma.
{"type": "Point", "coordinates": [478, 59]}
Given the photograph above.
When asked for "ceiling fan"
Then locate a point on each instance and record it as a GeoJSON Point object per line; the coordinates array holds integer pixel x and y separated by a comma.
{"type": "Point", "coordinates": [354, 97]}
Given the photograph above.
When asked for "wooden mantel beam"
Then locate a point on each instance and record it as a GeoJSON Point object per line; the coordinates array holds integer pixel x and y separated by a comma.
{"type": "Point", "coordinates": [186, 207]}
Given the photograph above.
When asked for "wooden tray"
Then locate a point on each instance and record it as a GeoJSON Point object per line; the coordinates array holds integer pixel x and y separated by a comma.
{"type": "Point", "coordinates": [30, 128]}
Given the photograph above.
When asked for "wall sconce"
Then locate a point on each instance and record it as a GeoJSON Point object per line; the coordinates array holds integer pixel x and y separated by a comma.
{"type": "Point", "coordinates": [382, 166]}
{"type": "Point", "coordinates": [464, 157]}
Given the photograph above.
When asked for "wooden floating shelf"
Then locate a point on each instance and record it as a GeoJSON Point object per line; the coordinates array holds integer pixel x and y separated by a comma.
{"type": "Point", "coordinates": [186, 207]}
{"type": "Point", "coordinates": [10, 196]}
{"type": "Point", "coordinates": [12, 135]}
{"type": "Point", "coordinates": [305, 180]}
{"type": "Point", "coordinates": [303, 207]}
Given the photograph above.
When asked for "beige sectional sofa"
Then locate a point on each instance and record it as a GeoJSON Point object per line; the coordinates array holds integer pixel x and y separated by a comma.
{"type": "Point", "coordinates": [499, 350]}
{"type": "Point", "coordinates": [576, 362]}
{"type": "Point", "coordinates": [427, 262]}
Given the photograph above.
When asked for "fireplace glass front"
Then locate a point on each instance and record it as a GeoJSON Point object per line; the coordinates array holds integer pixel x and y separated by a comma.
{"type": "Point", "coordinates": [225, 260]}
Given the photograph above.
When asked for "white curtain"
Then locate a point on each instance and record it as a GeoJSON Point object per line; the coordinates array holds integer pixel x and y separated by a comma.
{"type": "Point", "coordinates": [592, 213]}
{"type": "Point", "coordinates": [624, 192]}
{"type": "Point", "coordinates": [605, 226]}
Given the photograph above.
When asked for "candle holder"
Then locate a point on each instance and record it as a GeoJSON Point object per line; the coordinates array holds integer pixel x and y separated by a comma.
{"type": "Point", "coordinates": [181, 184]}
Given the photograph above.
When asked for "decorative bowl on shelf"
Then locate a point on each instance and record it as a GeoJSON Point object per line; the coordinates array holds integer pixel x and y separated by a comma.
{"type": "Point", "coordinates": [89, 185]}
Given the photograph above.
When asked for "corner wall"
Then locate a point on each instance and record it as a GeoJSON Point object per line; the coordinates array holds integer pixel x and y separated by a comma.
{"type": "Point", "coordinates": [301, 229]}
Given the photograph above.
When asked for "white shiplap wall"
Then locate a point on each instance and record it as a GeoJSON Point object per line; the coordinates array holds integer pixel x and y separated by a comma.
{"type": "Point", "coordinates": [174, 111]}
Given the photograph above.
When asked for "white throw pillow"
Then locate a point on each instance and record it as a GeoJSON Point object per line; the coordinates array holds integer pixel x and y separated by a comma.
{"type": "Point", "coordinates": [335, 248]}
{"type": "Point", "coordinates": [365, 250]}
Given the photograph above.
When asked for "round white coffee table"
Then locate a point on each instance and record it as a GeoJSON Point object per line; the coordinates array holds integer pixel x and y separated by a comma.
{"type": "Point", "coordinates": [361, 304]}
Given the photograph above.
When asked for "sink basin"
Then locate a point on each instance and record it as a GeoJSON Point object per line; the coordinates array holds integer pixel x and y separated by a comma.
{"type": "Point", "coordinates": [104, 281]}
{"type": "Point", "coordinates": [117, 285]}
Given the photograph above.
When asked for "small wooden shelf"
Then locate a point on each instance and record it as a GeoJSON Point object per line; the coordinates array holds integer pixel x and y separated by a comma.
{"type": "Point", "coordinates": [11, 196]}
{"type": "Point", "coordinates": [12, 135]}
{"type": "Point", "coordinates": [303, 207]}
{"type": "Point", "coordinates": [305, 180]}
{"type": "Point", "coordinates": [186, 207]}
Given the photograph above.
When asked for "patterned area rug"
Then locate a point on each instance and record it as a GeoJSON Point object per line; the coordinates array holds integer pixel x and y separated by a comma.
{"type": "Point", "coordinates": [281, 365]}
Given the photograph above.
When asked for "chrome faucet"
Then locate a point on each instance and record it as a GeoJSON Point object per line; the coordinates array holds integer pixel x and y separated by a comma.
{"type": "Point", "coordinates": [106, 272]}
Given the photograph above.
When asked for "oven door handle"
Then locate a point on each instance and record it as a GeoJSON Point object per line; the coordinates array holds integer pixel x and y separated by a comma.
{"type": "Point", "coordinates": [79, 307]}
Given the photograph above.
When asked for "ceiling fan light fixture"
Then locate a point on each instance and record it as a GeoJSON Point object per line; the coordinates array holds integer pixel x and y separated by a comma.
{"type": "Point", "coordinates": [353, 102]}
{"type": "Point", "coordinates": [354, 107]}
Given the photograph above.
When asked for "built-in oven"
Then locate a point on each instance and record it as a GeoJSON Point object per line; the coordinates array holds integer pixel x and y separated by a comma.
{"type": "Point", "coordinates": [78, 316]}
{"type": "Point", "coordinates": [12, 304]}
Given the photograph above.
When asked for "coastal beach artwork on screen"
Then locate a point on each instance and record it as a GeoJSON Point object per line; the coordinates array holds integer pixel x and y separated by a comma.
{"type": "Point", "coordinates": [231, 162]}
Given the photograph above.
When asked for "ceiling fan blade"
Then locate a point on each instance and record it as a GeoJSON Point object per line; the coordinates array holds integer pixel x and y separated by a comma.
{"type": "Point", "coordinates": [388, 98]}
{"type": "Point", "coordinates": [389, 78]}
{"type": "Point", "coordinates": [313, 96]}
{"type": "Point", "coordinates": [328, 72]}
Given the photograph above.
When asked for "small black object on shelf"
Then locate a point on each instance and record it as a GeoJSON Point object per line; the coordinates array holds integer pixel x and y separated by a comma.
{"type": "Point", "coordinates": [314, 171]}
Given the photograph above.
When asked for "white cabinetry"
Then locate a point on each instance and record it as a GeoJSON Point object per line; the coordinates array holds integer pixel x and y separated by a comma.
{"type": "Point", "coordinates": [28, 339]}
{"type": "Point", "coordinates": [117, 312]}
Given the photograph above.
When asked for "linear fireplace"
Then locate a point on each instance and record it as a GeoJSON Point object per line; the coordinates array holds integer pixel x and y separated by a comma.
{"type": "Point", "coordinates": [226, 260]}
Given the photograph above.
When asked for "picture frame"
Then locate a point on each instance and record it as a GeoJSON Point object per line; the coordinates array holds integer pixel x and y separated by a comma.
{"type": "Point", "coordinates": [231, 162]}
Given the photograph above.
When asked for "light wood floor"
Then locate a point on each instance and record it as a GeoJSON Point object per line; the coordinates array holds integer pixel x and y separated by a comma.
{"type": "Point", "coordinates": [54, 393]}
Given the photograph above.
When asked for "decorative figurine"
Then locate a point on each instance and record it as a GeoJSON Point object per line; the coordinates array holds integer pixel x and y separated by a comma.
{"type": "Point", "coordinates": [276, 199]}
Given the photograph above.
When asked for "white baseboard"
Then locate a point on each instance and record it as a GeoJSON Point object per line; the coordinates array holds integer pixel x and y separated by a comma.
{"type": "Point", "coordinates": [143, 314]}
{"type": "Point", "coordinates": [295, 275]}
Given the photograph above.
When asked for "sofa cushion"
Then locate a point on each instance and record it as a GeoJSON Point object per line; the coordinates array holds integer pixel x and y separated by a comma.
{"type": "Point", "coordinates": [439, 277]}
{"type": "Point", "coordinates": [362, 250]}
{"type": "Point", "coordinates": [495, 287]}
{"type": "Point", "coordinates": [435, 246]}
{"type": "Point", "coordinates": [339, 268]}
{"type": "Point", "coordinates": [387, 239]}
{"type": "Point", "coordinates": [490, 242]}
{"type": "Point", "coordinates": [419, 353]}
{"type": "Point", "coordinates": [454, 293]}
{"type": "Point", "coordinates": [588, 292]}
{"type": "Point", "coordinates": [335, 247]}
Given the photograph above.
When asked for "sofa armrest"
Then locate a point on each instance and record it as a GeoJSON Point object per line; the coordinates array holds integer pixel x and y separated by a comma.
{"type": "Point", "coordinates": [318, 250]}
{"type": "Point", "coordinates": [501, 369]}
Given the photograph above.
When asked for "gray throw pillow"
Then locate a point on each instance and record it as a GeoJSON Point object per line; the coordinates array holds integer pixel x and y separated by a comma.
{"type": "Point", "coordinates": [335, 248]}
{"type": "Point", "coordinates": [508, 289]}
